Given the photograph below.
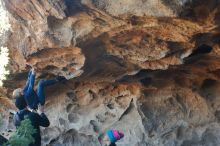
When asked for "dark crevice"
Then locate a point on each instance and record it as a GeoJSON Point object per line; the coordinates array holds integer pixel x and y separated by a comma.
{"type": "Point", "coordinates": [203, 49]}
{"type": "Point", "coordinates": [208, 83]}
{"type": "Point", "coordinates": [41, 52]}
{"type": "Point", "coordinates": [18, 76]}
{"type": "Point", "coordinates": [141, 75]}
{"type": "Point", "coordinates": [110, 106]}
{"type": "Point", "coordinates": [199, 53]}
{"type": "Point", "coordinates": [181, 103]}
{"type": "Point", "coordinates": [129, 108]}
{"type": "Point", "coordinates": [50, 67]}
{"type": "Point", "coordinates": [10, 82]}
{"type": "Point", "coordinates": [146, 81]}
{"type": "Point", "coordinates": [175, 6]}
{"type": "Point", "coordinates": [73, 7]}
{"type": "Point", "coordinates": [206, 89]}
{"type": "Point", "coordinates": [95, 125]}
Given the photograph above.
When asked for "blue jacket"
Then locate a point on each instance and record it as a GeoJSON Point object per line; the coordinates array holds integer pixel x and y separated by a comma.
{"type": "Point", "coordinates": [30, 95]}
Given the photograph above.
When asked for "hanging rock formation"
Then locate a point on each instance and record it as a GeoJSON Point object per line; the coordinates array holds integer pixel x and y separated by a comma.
{"type": "Point", "coordinates": [149, 68]}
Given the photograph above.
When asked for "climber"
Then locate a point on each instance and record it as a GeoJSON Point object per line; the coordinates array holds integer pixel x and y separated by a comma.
{"type": "Point", "coordinates": [113, 136]}
{"type": "Point", "coordinates": [30, 104]}
{"type": "Point", "coordinates": [37, 118]}
{"type": "Point", "coordinates": [33, 98]}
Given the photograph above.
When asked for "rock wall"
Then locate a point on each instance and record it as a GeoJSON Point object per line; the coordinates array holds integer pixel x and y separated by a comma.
{"type": "Point", "coordinates": [148, 68]}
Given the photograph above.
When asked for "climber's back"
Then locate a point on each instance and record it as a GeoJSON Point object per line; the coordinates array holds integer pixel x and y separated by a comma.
{"type": "Point", "coordinates": [37, 120]}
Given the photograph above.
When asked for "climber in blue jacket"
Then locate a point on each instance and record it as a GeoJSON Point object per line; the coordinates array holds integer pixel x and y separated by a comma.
{"type": "Point", "coordinates": [31, 97]}
{"type": "Point", "coordinates": [30, 104]}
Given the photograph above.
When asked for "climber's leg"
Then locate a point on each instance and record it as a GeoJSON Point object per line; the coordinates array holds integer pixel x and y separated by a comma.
{"type": "Point", "coordinates": [40, 89]}
{"type": "Point", "coordinates": [44, 83]}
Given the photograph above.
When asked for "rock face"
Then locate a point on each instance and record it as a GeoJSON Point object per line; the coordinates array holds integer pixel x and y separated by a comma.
{"type": "Point", "coordinates": [149, 68]}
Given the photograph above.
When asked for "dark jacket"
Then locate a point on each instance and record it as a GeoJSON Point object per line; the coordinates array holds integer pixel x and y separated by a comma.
{"type": "Point", "coordinates": [36, 121]}
{"type": "Point", "coordinates": [112, 144]}
{"type": "Point", "coordinates": [2, 140]}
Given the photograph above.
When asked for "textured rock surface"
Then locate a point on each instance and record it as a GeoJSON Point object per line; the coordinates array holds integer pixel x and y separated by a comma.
{"type": "Point", "coordinates": [140, 7]}
{"type": "Point", "coordinates": [150, 68]}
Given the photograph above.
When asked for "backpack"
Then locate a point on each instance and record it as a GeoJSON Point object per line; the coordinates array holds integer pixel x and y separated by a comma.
{"type": "Point", "coordinates": [19, 116]}
{"type": "Point", "coordinates": [17, 119]}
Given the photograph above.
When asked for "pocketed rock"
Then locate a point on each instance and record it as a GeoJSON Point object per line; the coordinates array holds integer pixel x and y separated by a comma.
{"type": "Point", "coordinates": [148, 68]}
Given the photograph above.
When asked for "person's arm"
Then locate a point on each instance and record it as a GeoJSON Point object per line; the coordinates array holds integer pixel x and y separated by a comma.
{"type": "Point", "coordinates": [43, 120]}
{"type": "Point", "coordinates": [16, 119]}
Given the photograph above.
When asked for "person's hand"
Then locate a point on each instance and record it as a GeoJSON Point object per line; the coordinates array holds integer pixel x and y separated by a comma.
{"type": "Point", "coordinates": [33, 70]}
{"type": "Point", "coordinates": [40, 109]}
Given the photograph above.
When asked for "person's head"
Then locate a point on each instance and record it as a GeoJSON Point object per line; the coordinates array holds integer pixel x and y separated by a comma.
{"type": "Point", "coordinates": [17, 93]}
{"type": "Point", "coordinates": [20, 103]}
{"type": "Point", "coordinates": [114, 135]}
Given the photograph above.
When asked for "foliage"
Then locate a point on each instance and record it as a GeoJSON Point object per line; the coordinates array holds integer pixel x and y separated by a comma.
{"type": "Point", "coordinates": [4, 33]}
{"type": "Point", "coordinates": [23, 134]}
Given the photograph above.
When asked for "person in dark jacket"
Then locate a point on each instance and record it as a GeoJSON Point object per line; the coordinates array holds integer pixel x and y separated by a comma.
{"type": "Point", "coordinates": [2, 140]}
{"type": "Point", "coordinates": [37, 119]}
{"type": "Point", "coordinates": [31, 97]}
